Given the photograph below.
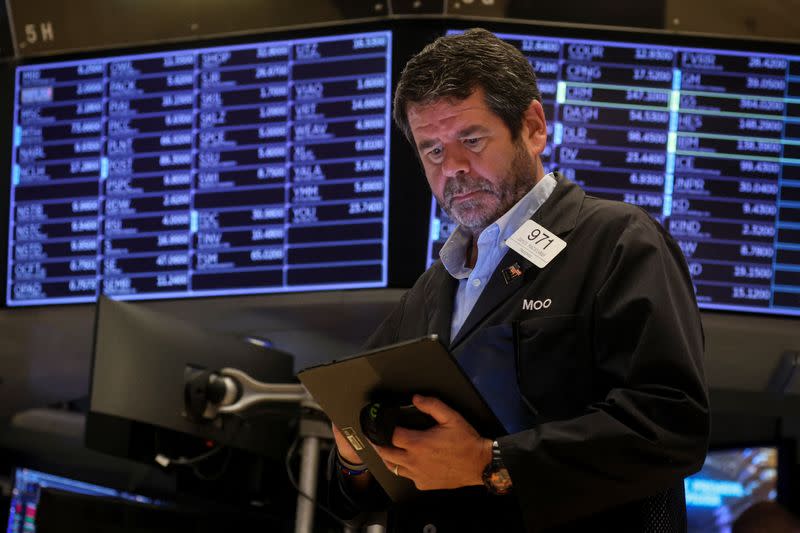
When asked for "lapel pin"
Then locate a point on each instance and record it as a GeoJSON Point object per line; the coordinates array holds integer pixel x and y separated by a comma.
{"type": "Point", "coordinates": [512, 272]}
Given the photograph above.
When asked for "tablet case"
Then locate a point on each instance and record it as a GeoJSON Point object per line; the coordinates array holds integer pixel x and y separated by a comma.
{"type": "Point", "coordinates": [421, 366]}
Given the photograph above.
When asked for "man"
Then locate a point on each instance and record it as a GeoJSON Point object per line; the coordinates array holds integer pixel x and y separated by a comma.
{"type": "Point", "coordinates": [592, 357]}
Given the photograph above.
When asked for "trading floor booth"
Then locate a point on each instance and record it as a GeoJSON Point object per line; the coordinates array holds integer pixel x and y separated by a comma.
{"type": "Point", "coordinates": [230, 186]}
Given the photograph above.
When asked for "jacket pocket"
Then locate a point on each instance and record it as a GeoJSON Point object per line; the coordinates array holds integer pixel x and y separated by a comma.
{"type": "Point", "coordinates": [553, 366]}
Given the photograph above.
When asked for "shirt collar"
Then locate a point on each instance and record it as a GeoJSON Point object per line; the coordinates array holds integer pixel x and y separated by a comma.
{"type": "Point", "coordinates": [454, 252]}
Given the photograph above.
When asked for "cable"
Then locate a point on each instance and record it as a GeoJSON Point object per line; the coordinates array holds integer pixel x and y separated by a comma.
{"type": "Point", "coordinates": [289, 454]}
{"type": "Point", "coordinates": [219, 473]}
{"type": "Point", "coordinates": [165, 460]}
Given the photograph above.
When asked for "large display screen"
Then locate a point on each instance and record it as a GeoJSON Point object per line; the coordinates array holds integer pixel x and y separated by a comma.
{"type": "Point", "coordinates": [706, 140]}
{"type": "Point", "coordinates": [228, 170]}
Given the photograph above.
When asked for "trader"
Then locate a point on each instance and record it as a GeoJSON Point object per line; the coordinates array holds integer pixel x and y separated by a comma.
{"type": "Point", "coordinates": [574, 316]}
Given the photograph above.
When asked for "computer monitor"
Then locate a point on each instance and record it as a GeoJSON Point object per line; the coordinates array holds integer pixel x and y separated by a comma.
{"type": "Point", "coordinates": [730, 481]}
{"type": "Point", "coordinates": [141, 363]}
{"type": "Point", "coordinates": [43, 502]}
{"type": "Point", "coordinates": [240, 169]}
{"type": "Point", "coordinates": [28, 485]}
{"type": "Point", "coordinates": [706, 139]}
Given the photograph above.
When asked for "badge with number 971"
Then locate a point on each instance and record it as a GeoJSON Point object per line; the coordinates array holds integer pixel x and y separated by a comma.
{"type": "Point", "coordinates": [536, 243]}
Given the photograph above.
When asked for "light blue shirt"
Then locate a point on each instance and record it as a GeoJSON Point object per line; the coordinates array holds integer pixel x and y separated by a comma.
{"type": "Point", "coordinates": [491, 249]}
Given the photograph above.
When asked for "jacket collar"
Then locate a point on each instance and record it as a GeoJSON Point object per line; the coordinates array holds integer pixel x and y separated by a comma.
{"type": "Point", "coordinates": [559, 213]}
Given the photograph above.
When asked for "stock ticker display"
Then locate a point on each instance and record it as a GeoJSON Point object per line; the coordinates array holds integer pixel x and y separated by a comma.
{"type": "Point", "coordinates": [707, 141]}
{"type": "Point", "coordinates": [227, 170]}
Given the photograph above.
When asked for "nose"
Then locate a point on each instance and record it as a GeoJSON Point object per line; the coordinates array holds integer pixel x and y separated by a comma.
{"type": "Point", "coordinates": [455, 160]}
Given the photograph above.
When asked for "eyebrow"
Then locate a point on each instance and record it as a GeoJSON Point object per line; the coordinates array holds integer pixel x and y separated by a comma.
{"type": "Point", "coordinates": [469, 131]}
{"type": "Point", "coordinates": [427, 143]}
{"type": "Point", "coordinates": [466, 132]}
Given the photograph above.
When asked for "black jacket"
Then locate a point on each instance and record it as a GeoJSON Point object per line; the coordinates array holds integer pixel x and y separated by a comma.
{"type": "Point", "coordinates": [609, 375]}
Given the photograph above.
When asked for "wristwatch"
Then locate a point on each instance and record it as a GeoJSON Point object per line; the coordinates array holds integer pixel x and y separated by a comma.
{"type": "Point", "coordinates": [495, 475]}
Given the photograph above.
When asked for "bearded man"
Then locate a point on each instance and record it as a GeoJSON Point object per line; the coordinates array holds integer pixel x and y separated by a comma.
{"type": "Point", "coordinates": [586, 341]}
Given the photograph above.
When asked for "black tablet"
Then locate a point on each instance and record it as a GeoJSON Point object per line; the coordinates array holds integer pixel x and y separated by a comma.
{"type": "Point", "coordinates": [422, 366]}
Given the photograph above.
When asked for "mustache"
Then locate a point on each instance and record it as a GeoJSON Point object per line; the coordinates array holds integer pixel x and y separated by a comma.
{"type": "Point", "coordinates": [457, 186]}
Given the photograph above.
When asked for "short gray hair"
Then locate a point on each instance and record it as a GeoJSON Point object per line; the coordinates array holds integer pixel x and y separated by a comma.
{"type": "Point", "coordinates": [454, 66]}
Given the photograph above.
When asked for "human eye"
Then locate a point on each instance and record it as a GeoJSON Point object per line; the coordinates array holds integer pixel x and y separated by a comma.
{"type": "Point", "coordinates": [435, 154]}
{"type": "Point", "coordinates": [473, 142]}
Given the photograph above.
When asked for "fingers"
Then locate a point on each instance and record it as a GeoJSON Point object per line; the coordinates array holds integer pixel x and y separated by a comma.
{"type": "Point", "coordinates": [396, 469]}
{"type": "Point", "coordinates": [436, 408]}
{"type": "Point", "coordinates": [395, 460]}
{"type": "Point", "coordinates": [391, 456]}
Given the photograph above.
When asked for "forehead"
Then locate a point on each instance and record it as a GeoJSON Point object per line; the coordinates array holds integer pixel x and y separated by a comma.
{"type": "Point", "coordinates": [445, 113]}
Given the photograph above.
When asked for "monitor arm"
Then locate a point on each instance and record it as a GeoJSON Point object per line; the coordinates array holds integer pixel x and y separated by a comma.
{"type": "Point", "coordinates": [208, 394]}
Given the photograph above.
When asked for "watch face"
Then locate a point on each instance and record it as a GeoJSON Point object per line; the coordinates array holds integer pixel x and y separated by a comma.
{"type": "Point", "coordinates": [497, 480]}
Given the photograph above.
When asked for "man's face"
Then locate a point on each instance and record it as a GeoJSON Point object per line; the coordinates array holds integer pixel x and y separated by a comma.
{"type": "Point", "coordinates": [475, 170]}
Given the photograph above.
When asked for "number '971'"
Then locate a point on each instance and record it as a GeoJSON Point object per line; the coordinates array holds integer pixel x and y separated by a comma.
{"type": "Point", "coordinates": [538, 236]}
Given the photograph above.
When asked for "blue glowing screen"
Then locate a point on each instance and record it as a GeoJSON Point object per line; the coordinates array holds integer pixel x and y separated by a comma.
{"type": "Point", "coordinates": [707, 141]}
{"type": "Point", "coordinates": [730, 482]}
{"type": "Point", "coordinates": [229, 170]}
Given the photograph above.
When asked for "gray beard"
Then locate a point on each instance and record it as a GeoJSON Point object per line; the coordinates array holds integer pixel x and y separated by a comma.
{"type": "Point", "coordinates": [468, 213]}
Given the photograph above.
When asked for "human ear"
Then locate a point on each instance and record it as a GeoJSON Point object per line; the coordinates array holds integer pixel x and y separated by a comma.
{"type": "Point", "coordinates": [534, 128]}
